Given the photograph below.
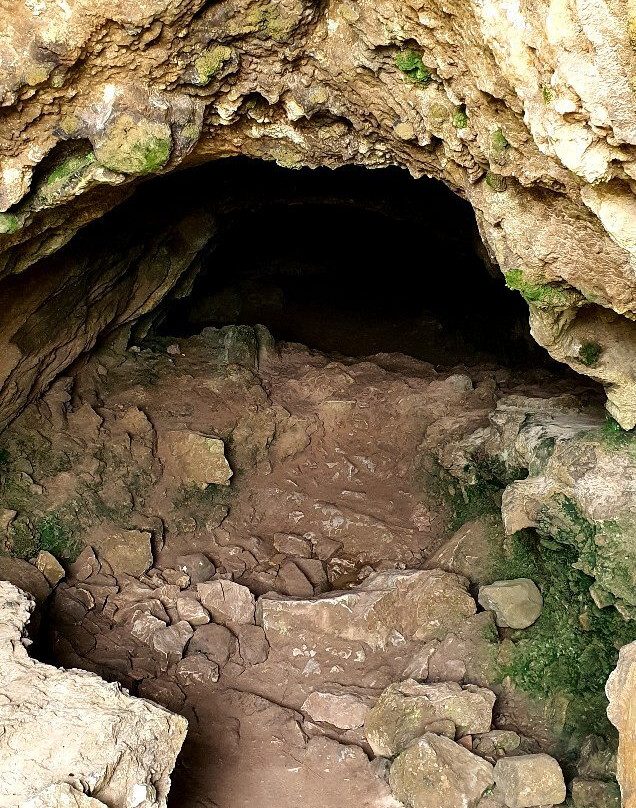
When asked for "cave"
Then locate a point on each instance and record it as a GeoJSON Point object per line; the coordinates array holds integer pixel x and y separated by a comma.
{"type": "Point", "coordinates": [317, 405]}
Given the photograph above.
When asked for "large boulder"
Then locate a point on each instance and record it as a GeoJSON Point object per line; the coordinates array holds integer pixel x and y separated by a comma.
{"type": "Point", "coordinates": [621, 693]}
{"type": "Point", "coordinates": [70, 727]}
{"type": "Point", "coordinates": [529, 780]}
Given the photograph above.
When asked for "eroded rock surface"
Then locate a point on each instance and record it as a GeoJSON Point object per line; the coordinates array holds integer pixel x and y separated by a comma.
{"type": "Point", "coordinates": [67, 734]}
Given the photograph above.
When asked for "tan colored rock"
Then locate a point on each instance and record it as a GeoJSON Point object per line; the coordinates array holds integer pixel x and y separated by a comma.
{"type": "Point", "coordinates": [435, 772]}
{"type": "Point", "coordinates": [85, 565]}
{"type": "Point", "coordinates": [50, 567]}
{"type": "Point", "coordinates": [62, 795]}
{"type": "Point", "coordinates": [189, 608]}
{"type": "Point", "coordinates": [144, 626]}
{"type": "Point", "coordinates": [63, 726]}
{"type": "Point", "coordinates": [407, 710]}
{"type": "Point", "coordinates": [196, 458]}
{"type": "Point", "coordinates": [197, 669]}
{"type": "Point", "coordinates": [127, 551]}
{"type": "Point", "coordinates": [227, 601]}
{"type": "Point", "coordinates": [516, 604]}
{"type": "Point", "coordinates": [595, 794]}
{"type": "Point", "coordinates": [621, 693]}
{"type": "Point", "coordinates": [470, 550]}
{"type": "Point", "coordinates": [526, 781]}
{"type": "Point", "coordinates": [341, 710]}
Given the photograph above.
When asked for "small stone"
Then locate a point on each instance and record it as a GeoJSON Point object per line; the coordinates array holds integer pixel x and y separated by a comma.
{"type": "Point", "coordinates": [170, 641]}
{"type": "Point", "coordinates": [516, 604]}
{"type": "Point", "coordinates": [435, 772]}
{"type": "Point", "coordinates": [292, 545]}
{"type": "Point", "coordinates": [253, 645]}
{"type": "Point", "coordinates": [341, 710]}
{"type": "Point", "coordinates": [145, 626]}
{"type": "Point", "coordinates": [216, 642]}
{"type": "Point", "coordinates": [189, 608]}
{"type": "Point", "coordinates": [529, 780]}
{"type": "Point", "coordinates": [227, 601]}
{"type": "Point", "coordinates": [595, 794]}
{"type": "Point", "coordinates": [50, 567]}
{"type": "Point", "coordinates": [406, 710]}
{"type": "Point", "coordinates": [174, 349]}
{"type": "Point", "coordinates": [314, 570]}
{"type": "Point", "coordinates": [198, 567]}
{"type": "Point", "coordinates": [25, 576]}
{"type": "Point", "coordinates": [197, 669]}
{"type": "Point", "coordinates": [176, 578]}
{"type": "Point", "coordinates": [291, 581]}
{"type": "Point", "coordinates": [129, 552]}
{"type": "Point", "coordinates": [496, 743]}
{"type": "Point", "coordinates": [197, 458]}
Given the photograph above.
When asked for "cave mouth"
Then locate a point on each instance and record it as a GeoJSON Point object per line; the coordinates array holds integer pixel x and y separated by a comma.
{"type": "Point", "coordinates": [349, 261]}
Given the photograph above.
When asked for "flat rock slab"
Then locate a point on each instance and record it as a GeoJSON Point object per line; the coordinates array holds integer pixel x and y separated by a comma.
{"type": "Point", "coordinates": [227, 602]}
{"type": "Point", "coordinates": [129, 552]}
{"type": "Point", "coordinates": [57, 722]}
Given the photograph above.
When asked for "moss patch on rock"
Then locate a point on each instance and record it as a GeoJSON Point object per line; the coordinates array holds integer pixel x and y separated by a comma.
{"type": "Point", "coordinates": [541, 294]}
{"type": "Point", "coordinates": [411, 64]}
{"type": "Point", "coordinates": [589, 353]}
{"type": "Point", "coordinates": [135, 146]}
{"type": "Point", "coordinates": [210, 63]}
{"type": "Point", "coordinates": [9, 223]}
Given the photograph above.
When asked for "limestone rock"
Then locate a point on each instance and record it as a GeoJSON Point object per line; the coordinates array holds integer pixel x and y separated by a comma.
{"type": "Point", "coordinates": [62, 795]}
{"type": "Point", "coordinates": [435, 772]}
{"type": "Point", "coordinates": [227, 601]}
{"type": "Point", "coordinates": [25, 576]}
{"type": "Point", "coordinates": [196, 458]}
{"type": "Point", "coordinates": [621, 693]}
{"type": "Point", "coordinates": [128, 552]}
{"type": "Point", "coordinates": [170, 641]}
{"type": "Point", "coordinates": [408, 709]}
{"type": "Point", "coordinates": [469, 551]}
{"type": "Point", "coordinates": [197, 669]}
{"type": "Point", "coordinates": [341, 710]}
{"type": "Point", "coordinates": [197, 566]}
{"type": "Point", "coordinates": [216, 642]}
{"type": "Point", "coordinates": [189, 608]}
{"type": "Point", "coordinates": [85, 565]}
{"type": "Point", "coordinates": [69, 725]}
{"type": "Point", "coordinates": [516, 604]}
{"type": "Point", "coordinates": [50, 567]}
{"type": "Point", "coordinates": [529, 780]}
{"type": "Point", "coordinates": [496, 743]}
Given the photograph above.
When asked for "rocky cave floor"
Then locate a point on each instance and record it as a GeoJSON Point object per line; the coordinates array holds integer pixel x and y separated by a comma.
{"type": "Point", "coordinates": [272, 609]}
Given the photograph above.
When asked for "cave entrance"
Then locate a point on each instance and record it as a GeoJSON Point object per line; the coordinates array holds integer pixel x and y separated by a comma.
{"type": "Point", "coordinates": [350, 261]}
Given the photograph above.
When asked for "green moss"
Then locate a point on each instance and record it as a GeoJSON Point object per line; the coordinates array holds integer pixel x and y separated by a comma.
{"type": "Point", "coordinates": [590, 352]}
{"type": "Point", "coordinates": [460, 118]}
{"type": "Point", "coordinates": [211, 62]}
{"type": "Point", "coordinates": [547, 93]}
{"type": "Point", "coordinates": [70, 169]}
{"type": "Point", "coordinates": [5, 457]}
{"type": "Point", "coordinates": [411, 64]}
{"type": "Point", "coordinates": [58, 535]}
{"type": "Point", "coordinates": [614, 436]}
{"type": "Point", "coordinates": [496, 182]}
{"type": "Point", "coordinates": [191, 495]}
{"type": "Point", "coordinates": [540, 294]}
{"type": "Point", "coordinates": [150, 154]}
{"type": "Point", "coordinates": [9, 223]}
{"type": "Point", "coordinates": [572, 648]}
{"type": "Point", "coordinates": [499, 142]}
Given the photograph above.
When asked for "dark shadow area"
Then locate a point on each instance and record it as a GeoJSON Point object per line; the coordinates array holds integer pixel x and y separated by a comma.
{"type": "Point", "coordinates": [355, 262]}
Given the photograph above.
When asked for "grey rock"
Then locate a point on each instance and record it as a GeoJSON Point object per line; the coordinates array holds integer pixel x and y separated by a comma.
{"type": "Point", "coordinates": [516, 604]}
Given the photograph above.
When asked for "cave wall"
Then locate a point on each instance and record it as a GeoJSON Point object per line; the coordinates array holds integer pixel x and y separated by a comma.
{"type": "Point", "coordinates": [526, 110]}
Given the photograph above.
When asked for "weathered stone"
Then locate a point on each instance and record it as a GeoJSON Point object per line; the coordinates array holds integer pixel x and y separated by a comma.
{"type": "Point", "coordinates": [621, 693]}
{"type": "Point", "coordinates": [25, 576]}
{"type": "Point", "coordinates": [341, 710]}
{"type": "Point", "coordinates": [292, 545]}
{"type": "Point", "coordinates": [595, 794]}
{"type": "Point", "coordinates": [62, 795]}
{"type": "Point", "coordinates": [216, 642]}
{"type": "Point", "coordinates": [227, 601]}
{"type": "Point", "coordinates": [189, 608]}
{"type": "Point", "coordinates": [176, 578]}
{"type": "Point", "coordinates": [253, 645]}
{"type": "Point", "coordinates": [128, 552]}
{"type": "Point", "coordinates": [529, 780]}
{"type": "Point", "coordinates": [196, 458]}
{"type": "Point", "coordinates": [292, 581]}
{"type": "Point", "coordinates": [69, 725]}
{"type": "Point", "coordinates": [516, 604]}
{"type": "Point", "coordinates": [197, 566]}
{"type": "Point", "coordinates": [50, 567]}
{"type": "Point", "coordinates": [170, 641]}
{"type": "Point", "coordinates": [145, 626]}
{"type": "Point", "coordinates": [496, 743]}
{"type": "Point", "coordinates": [435, 772]}
{"type": "Point", "coordinates": [197, 669]}
{"type": "Point", "coordinates": [470, 550]}
{"type": "Point", "coordinates": [408, 709]}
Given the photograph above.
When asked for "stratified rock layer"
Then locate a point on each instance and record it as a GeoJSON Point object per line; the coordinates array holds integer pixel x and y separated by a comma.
{"type": "Point", "coordinates": [530, 116]}
{"type": "Point", "coordinates": [70, 728]}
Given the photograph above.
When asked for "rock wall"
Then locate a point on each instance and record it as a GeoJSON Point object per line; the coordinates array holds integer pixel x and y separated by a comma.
{"type": "Point", "coordinates": [527, 111]}
{"type": "Point", "coordinates": [78, 740]}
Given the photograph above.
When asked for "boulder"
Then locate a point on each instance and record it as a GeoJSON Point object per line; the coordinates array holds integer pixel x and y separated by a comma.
{"type": "Point", "coordinates": [25, 576]}
{"type": "Point", "coordinates": [470, 550]}
{"type": "Point", "coordinates": [170, 641]}
{"type": "Point", "coordinates": [595, 793]}
{"type": "Point", "coordinates": [516, 604]}
{"type": "Point", "coordinates": [341, 710]}
{"type": "Point", "coordinates": [50, 567]}
{"type": "Point", "coordinates": [195, 458]}
{"type": "Point", "coordinates": [529, 780]}
{"type": "Point", "coordinates": [496, 743]}
{"type": "Point", "coordinates": [621, 692]}
{"type": "Point", "coordinates": [406, 710]}
{"type": "Point", "coordinates": [129, 552]}
{"type": "Point", "coordinates": [253, 645]}
{"type": "Point", "coordinates": [227, 602]}
{"type": "Point", "coordinates": [70, 727]}
{"type": "Point", "coordinates": [435, 772]}
{"type": "Point", "coordinates": [197, 566]}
